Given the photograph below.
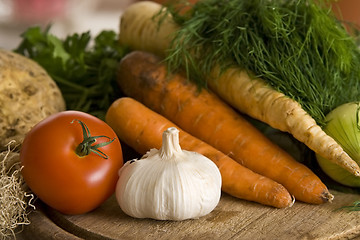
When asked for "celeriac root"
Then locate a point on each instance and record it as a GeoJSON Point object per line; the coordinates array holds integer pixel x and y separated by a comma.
{"type": "Point", "coordinates": [143, 28]}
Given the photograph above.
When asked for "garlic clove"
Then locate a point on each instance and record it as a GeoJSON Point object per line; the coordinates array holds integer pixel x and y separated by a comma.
{"type": "Point", "coordinates": [169, 183]}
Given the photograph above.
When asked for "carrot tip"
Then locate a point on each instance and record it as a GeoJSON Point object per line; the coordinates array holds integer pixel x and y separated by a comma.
{"type": "Point", "coordinates": [327, 197]}
{"type": "Point", "coordinates": [293, 201]}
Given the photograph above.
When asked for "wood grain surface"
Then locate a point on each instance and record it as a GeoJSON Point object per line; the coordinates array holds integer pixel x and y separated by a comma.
{"type": "Point", "coordinates": [231, 219]}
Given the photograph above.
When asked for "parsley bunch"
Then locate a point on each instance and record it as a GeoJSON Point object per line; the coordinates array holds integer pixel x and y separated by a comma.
{"type": "Point", "coordinates": [84, 70]}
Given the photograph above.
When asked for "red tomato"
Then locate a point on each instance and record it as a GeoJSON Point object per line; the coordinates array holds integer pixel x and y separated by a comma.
{"type": "Point", "coordinates": [53, 170]}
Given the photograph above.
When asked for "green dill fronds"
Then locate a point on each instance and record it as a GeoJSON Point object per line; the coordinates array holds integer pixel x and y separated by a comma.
{"type": "Point", "coordinates": [296, 46]}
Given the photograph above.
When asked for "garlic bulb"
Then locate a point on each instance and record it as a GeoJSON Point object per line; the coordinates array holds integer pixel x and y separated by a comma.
{"type": "Point", "coordinates": [169, 183]}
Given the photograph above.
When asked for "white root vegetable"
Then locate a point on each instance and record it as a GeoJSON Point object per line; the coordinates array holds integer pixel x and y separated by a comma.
{"type": "Point", "coordinates": [280, 112]}
{"type": "Point", "coordinates": [27, 95]}
{"type": "Point", "coordinates": [140, 30]}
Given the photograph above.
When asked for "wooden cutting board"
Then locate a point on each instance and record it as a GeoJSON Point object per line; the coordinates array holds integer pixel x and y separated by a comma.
{"type": "Point", "coordinates": [231, 219]}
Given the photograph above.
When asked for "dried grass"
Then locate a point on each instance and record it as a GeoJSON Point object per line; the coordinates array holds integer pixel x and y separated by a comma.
{"type": "Point", "coordinates": [15, 198]}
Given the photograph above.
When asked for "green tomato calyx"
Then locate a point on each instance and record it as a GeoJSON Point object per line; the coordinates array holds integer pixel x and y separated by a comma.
{"type": "Point", "coordinates": [87, 145]}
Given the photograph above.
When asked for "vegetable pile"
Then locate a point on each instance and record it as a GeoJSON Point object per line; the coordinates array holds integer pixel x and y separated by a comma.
{"type": "Point", "coordinates": [202, 114]}
{"type": "Point", "coordinates": [27, 96]}
{"type": "Point", "coordinates": [146, 133]}
{"type": "Point", "coordinates": [204, 70]}
{"type": "Point", "coordinates": [298, 47]}
{"type": "Point", "coordinates": [243, 89]}
{"type": "Point", "coordinates": [50, 73]}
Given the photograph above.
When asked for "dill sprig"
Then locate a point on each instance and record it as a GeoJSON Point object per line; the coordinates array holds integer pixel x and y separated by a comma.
{"type": "Point", "coordinates": [296, 46]}
{"type": "Point", "coordinates": [355, 206]}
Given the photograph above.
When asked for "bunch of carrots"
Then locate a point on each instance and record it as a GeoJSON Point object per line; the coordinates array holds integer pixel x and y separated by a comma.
{"type": "Point", "coordinates": [147, 26]}
{"type": "Point", "coordinates": [252, 167]}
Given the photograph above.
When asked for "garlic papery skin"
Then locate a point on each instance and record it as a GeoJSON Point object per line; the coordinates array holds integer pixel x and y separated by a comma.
{"type": "Point", "coordinates": [169, 183]}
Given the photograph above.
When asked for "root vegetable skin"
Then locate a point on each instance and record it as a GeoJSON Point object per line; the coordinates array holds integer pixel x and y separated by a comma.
{"type": "Point", "coordinates": [280, 112]}
{"type": "Point", "coordinates": [201, 113]}
{"type": "Point", "coordinates": [28, 95]}
{"type": "Point", "coordinates": [142, 129]}
{"type": "Point", "coordinates": [135, 24]}
{"type": "Point", "coordinates": [251, 96]}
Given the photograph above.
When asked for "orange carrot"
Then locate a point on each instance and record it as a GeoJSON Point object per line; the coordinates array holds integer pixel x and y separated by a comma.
{"type": "Point", "coordinates": [141, 128]}
{"type": "Point", "coordinates": [202, 114]}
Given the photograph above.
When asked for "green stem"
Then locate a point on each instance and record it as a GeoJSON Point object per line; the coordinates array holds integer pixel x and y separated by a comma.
{"type": "Point", "coordinates": [358, 116]}
{"type": "Point", "coordinates": [70, 84]}
{"type": "Point", "coordinates": [86, 146]}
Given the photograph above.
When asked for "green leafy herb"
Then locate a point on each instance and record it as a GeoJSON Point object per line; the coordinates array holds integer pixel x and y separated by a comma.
{"type": "Point", "coordinates": [297, 46]}
{"type": "Point", "coordinates": [85, 71]}
{"type": "Point", "coordinates": [355, 206]}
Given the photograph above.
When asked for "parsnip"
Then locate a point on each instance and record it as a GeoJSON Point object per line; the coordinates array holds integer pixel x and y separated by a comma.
{"type": "Point", "coordinates": [257, 99]}
{"type": "Point", "coordinates": [142, 28]}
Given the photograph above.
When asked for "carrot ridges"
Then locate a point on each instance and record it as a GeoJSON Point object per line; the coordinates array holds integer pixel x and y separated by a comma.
{"type": "Point", "coordinates": [141, 129]}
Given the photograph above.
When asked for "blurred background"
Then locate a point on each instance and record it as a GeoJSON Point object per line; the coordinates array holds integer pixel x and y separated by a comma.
{"type": "Point", "coordinates": [65, 16]}
{"type": "Point", "coordinates": [70, 16]}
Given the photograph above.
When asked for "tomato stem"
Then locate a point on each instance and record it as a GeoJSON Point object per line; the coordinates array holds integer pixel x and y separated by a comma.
{"type": "Point", "coordinates": [86, 146]}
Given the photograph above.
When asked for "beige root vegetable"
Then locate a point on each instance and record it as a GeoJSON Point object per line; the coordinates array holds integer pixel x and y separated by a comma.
{"type": "Point", "coordinates": [136, 26]}
{"type": "Point", "coordinates": [28, 95]}
{"type": "Point", "coordinates": [143, 28]}
{"type": "Point", "coordinates": [287, 116]}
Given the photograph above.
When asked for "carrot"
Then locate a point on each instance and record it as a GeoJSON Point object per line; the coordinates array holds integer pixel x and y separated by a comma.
{"type": "Point", "coordinates": [141, 29]}
{"type": "Point", "coordinates": [201, 113]}
{"type": "Point", "coordinates": [141, 128]}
